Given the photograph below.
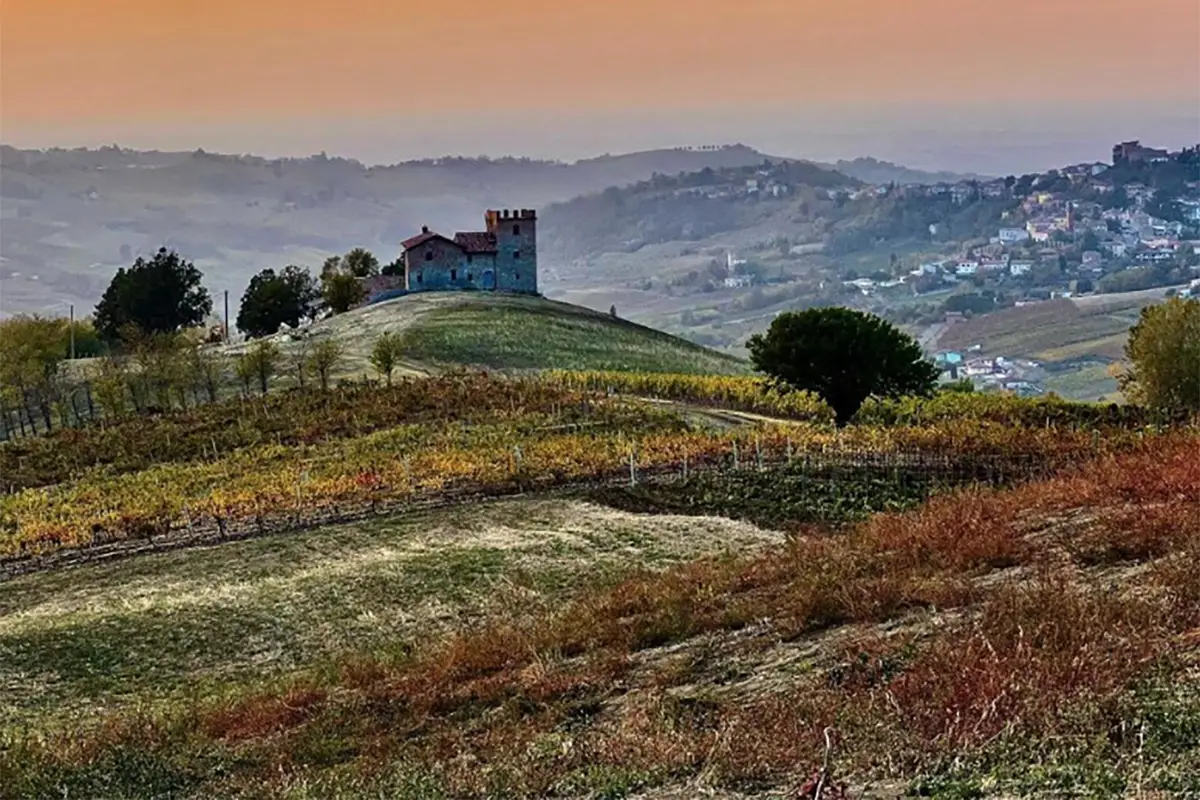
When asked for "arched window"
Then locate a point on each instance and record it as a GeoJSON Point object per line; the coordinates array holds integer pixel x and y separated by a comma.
{"type": "Point", "coordinates": [429, 255]}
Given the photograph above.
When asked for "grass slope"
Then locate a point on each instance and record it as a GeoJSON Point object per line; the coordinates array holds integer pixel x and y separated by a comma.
{"type": "Point", "coordinates": [1057, 330]}
{"type": "Point", "coordinates": [180, 626]}
{"type": "Point", "coordinates": [507, 332]}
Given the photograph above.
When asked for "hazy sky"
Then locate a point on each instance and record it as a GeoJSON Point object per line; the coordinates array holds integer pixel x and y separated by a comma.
{"type": "Point", "coordinates": [565, 77]}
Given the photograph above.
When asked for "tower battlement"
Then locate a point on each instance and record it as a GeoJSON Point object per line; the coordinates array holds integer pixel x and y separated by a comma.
{"type": "Point", "coordinates": [493, 217]}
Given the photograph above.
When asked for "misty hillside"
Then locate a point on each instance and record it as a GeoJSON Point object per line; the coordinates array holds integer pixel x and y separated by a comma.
{"type": "Point", "coordinates": [688, 207]}
{"type": "Point", "coordinates": [71, 218]}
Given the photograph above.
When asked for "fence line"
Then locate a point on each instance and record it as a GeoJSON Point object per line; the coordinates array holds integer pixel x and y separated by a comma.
{"type": "Point", "coordinates": [832, 465]}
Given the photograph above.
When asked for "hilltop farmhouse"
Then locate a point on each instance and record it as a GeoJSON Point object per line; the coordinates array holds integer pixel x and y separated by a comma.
{"type": "Point", "coordinates": [503, 257]}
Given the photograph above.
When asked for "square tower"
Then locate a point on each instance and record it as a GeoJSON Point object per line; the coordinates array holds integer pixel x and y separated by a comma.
{"type": "Point", "coordinates": [515, 233]}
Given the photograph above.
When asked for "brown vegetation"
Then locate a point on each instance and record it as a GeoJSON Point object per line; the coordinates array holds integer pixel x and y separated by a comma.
{"type": "Point", "coordinates": [982, 617]}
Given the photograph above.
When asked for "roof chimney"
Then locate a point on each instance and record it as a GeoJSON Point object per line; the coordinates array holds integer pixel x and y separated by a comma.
{"type": "Point", "coordinates": [424, 229]}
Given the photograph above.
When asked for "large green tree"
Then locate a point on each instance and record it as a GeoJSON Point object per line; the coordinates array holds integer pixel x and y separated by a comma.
{"type": "Point", "coordinates": [844, 356]}
{"type": "Point", "coordinates": [274, 299]}
{"type": "Point", "coordinates": [1164, 357]}
{"type": "Point", "coordinates": [162, 295]}
{"type": "Point", "coordinates": [361, 263]}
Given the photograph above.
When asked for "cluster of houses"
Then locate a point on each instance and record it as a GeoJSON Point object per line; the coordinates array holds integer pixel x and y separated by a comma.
{"type": "Point", "coordinates": [1019, 376]}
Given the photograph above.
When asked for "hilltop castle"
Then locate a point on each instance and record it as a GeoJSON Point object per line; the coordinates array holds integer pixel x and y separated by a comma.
{"type": "Point", "coordinates": [501, 258]}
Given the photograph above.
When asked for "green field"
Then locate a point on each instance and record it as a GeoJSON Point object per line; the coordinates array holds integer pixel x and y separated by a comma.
{"type": "Point", "coordinates": [506, 332]}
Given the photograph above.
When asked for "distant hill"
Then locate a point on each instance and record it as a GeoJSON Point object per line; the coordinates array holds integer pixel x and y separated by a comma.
{"type": "Point", "coordinates": [873, 171]}
{"type": "Point", "coordinates": [506, 332]}
{"type": "Point", "coordinates": [73, 217]}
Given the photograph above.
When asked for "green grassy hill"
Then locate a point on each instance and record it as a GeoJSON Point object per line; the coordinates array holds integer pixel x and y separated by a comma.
{"type": "Point", "coordinates": [506, 332]}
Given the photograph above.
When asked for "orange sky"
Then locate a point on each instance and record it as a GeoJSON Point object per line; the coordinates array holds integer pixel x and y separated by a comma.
{"type": "Point", "coordinates": [70, 62]}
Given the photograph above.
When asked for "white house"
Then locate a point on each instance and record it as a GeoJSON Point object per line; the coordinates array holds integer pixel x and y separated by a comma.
{"type": "Point", "coordinates": [1020, 267]}
{"type": "Point", "coordinates": [966, 268]}
{"type": "Point", "coordinates": [1012, 235]}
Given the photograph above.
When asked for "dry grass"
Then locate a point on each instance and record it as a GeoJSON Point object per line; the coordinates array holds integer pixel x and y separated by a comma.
{"type": "Point", "coordinates": [983, 619]}
{"type": "Point", "coordinates": [80, 644]}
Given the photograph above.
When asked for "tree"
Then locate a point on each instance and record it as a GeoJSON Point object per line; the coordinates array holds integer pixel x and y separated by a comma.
{"type": "Point", "coordinates": [161, 295]}
{"type": "Point", "coordinates": [325, 356]}
{"type": "Point", "coordinates": [360, 263]}
{"type": "Point", "coordinates": [204, 368]}
{"type": "Point", "coordinates": [842, 355]}
{"type": "Point", "coordinates": [32, 349]}
{"type": "Point", "coordinates": [386, 354]}
{"type": "Point", "coordinates": [161, 372]}
{"type": "Point", "coordinates": [1164, 355]}
{"type": "Point", "coordinates": [341, 292]}
{"type": "Point", "coordinates": [258, 363]}
{"type": "Point", "coordinates": [272, 300]}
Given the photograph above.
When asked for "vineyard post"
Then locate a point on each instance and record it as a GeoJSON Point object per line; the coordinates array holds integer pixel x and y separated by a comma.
{"type": "Point", "coordinates": [685, 465]}
{"type": "Point", "coordinates": [735, 454]}
{"type": "Point", "coordinates": [758, 452]}
{"type": "Point", "coordinates": [632, 469]}
{"type": "Point", "coordinates": [299, 494]}
{"type": "Point", "coordinates": [789, 449]}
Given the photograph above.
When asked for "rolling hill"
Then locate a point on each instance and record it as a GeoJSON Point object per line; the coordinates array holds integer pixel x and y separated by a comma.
{"type": "Point", "coordinates": [507, 332]}
{"type": "Point", "coordinates": [72, 217]}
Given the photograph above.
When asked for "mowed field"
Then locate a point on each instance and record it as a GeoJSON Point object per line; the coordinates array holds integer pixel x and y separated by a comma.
{"type": "Point", "coordinates": [188, 625]}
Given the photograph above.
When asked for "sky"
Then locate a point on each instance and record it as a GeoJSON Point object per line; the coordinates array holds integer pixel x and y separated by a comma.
{"type": "Point", "coordinates": [383, 81]}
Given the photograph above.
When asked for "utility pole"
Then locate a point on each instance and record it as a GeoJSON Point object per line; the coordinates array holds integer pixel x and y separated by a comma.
{"type": "Point", "coordinates": [226, 316]}
{"type": "Point", "coordinates": [72, 327]}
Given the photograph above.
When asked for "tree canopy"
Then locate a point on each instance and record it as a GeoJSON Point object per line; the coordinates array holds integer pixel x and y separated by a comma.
{"type": "Point", "coordinates": [1164, 355]}
{"type": "Point", "coordinates": [274, 299]}
{"type": "Point", "coordinates": [360, 263]}
{"type": "Point", "coordinates": [161, 295]}
{"type": "Point", "coordinates": [842, 355]}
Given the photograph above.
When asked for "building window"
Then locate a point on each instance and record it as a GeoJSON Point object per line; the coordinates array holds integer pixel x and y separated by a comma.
{"type": "Point", "coordinates": [469, 277]}
{"type": "Point", "coordinates": [470, 258]}
{"type": "Point", "coordinates": [516, 255]}
{"type": "Point", "coordinates": [429, 255]}
{"type": "Point", "coordinates": [516, 230]}
{"type": "Point", "coordinates": [453, 274]}
{"type": "Point", "coordinates": [517, 276]}
{"type": "Point", "coordinates": [420, 277]}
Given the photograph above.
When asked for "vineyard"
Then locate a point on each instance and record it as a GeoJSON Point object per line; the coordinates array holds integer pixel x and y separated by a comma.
{"type": "Point", "coordinates": [301, 457]}
{"type": "Point", "coordinates": [569, 440]}
{"type": "Point", "coordinates": [760, 396]}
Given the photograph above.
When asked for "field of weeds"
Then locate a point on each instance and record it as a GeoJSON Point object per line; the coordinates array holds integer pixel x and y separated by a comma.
{"type": "Point", "coordinates": [987, 642]}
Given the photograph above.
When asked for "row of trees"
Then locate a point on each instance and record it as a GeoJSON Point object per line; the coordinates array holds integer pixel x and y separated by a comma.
{"type": "Point", "coordinates": [164, 294]}
{"type": "Point", "coordinates": [40, 392]}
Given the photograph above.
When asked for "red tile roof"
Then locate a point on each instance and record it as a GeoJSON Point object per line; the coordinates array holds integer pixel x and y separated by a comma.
{"type": "Point", "coordinates": [476, 242]}
{"type": "Point", "coordinates": [422, 238]}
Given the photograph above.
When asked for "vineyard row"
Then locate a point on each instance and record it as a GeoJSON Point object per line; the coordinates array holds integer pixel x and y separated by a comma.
{"type": "Point", "coordinates": [255, 484]}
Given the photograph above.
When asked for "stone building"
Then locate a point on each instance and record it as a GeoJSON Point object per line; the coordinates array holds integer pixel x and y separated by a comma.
{"type": "Point", "coordinates": [501, 258]}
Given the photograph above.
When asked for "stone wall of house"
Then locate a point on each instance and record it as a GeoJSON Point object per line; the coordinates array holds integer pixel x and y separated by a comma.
{"type": "Point", "coordinates": [439, 264]}
{"type": "Point", "coordinates": [436, 265]}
